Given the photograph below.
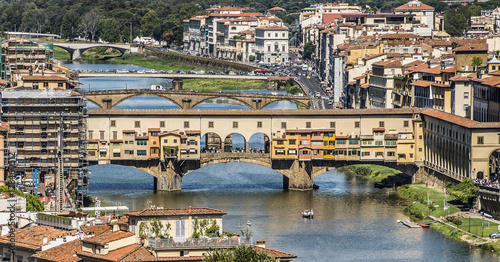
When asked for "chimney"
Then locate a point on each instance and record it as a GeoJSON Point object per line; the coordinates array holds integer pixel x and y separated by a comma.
{"type": "Point", "coordinates": [45, 240]}
{"type": "Point", "coordinates": [189, 210]}
{"type": "Point", "coordinates": [261, 243]}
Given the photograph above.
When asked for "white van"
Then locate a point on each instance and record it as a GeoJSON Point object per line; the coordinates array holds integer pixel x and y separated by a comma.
{"type": "Point", "coordinates": [157, 87]}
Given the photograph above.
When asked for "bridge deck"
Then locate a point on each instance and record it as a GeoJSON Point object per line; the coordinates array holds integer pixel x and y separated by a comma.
{"type": "Point", "coordinates": [183, 76]}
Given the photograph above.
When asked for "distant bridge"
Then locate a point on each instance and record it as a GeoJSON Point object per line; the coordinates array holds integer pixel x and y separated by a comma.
{"type": "Point", "coordinates": [108, 99]}
{"type": "Point", "coordinates": [175, 76]}
{"type": "Point", "coordinates": [76, 49]}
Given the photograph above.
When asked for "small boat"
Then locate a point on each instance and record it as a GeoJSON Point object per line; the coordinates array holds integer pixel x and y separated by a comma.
{"type": "Point", "coordinates": [248, 223]}
{"type": "Point", "coordinates": [424, 225]}
{"type": "Point", "coordinates": [308, 213]}
{"type": "Point", "coordinates": [315, 186]}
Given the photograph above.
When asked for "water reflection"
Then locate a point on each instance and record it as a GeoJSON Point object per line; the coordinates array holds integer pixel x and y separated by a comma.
{"type": "Point", "coordinates": [353, 221]}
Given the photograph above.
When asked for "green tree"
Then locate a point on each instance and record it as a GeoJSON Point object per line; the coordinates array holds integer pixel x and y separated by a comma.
{"type": "Point", "coordinates": [308, 51]}
{"type": "Point", "coordinates": [154, 228]}
{"type": "Point", "coordinates": [476, 61]}
{"type": "Point", "coordinates": [70, 25]}
{"type": "Point", "coordinates": [34, 203]}
{"type": "Point", "coordinates": [454, 45]}
{"type": "Point", "coordinates": [466, 191]}
{"type": "Point", "coordinates": [149, 22]}
{"type": "Point", "coordinates": [457, 21]}
{"type": "Point", "coordinates": [91, 23]}
{"type": "Point", "coordinates": [239, 253]}
{"type": "Point", "coordinates": [111, 31]}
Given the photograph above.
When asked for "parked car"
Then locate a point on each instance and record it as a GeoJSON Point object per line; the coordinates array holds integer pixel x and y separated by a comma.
{"type": "Point", "coordinates": [495, 235]}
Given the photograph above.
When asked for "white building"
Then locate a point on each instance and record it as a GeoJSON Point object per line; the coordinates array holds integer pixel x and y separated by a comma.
{"type": "Point", "coordinates": [424, 14]}
{"type": "Point", "coordinates": [271, 44]}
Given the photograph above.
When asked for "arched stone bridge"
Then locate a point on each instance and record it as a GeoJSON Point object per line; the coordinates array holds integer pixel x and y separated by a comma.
{"type": "Point", "coordinates": [108, 99]}
{"type": "Point", "coordinates": [76, 49]}
{"type": "Point", "coordinates": [297, 175]}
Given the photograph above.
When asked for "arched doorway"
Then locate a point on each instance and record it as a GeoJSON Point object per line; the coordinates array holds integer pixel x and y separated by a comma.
{"type": "Point", "coordinates": [494, 164]}
{"type": "Point", "coordinates": [259, 143]}
{"type": "Point", "coordinates": [235, 143]}
{"type": "Point", "coordinates": [210, 143]}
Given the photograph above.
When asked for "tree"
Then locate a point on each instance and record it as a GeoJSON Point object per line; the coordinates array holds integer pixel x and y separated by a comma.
{"type": "Point", "coordinates": [466, 191]}
{"type": "Point", "coordinates": [308, 51]}
{"type": "Point", "coordinates": [454, 45]}
{"type": "Point", "coordinates": [239, 253]}
{"type": "Point", "coordinates": [70, 25]}
{"type": "Point", "coordinates": [111, 31]}
{"type": "Point", "coordinates": [476, 61]}
{"type": "Point", "coordinates": [149, 22]}
{"type": "Point", "coordinates": [168, 36]}
{"type": "Point", "coordinates": [91, 23]}
{"type": "Point", "coordinates": [34, 203]}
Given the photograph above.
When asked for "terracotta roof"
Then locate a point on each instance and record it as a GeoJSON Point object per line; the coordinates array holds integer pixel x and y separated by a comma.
{"type": "Point", "coordinates": [115, 140]}
{"type": "Point", "coordinates": [422, 83]}
{"type": "Point", "coordinates": [32, 237]}
{"type": "Point", "coordinates": [197, 18]}
{"type": "Point", "coordinates": [193, 132]}
{"type": "Point", "coordinates": [141, 137]}
{"type": "Point", "coordinates": [414, 5]}
{"type": "Point", "coordinates": [108, 236]}
{"type": "Point", "coordinates": [134, 252]}
{"type": "Point", "coordinates": [190, 258]}
{"type": "Point", "coordinates": [351, 83]}
{"type": "Point", "coordinates": [360, 77]}
{"type": "Point", "coordinates": [3, 82]}
{"type": "Point", "coordinates": [177, 212]}
{"type": "Point", "coordinates": [490, 81]}
{"type": "Point", "coordinates": [424, 68]}
{"type": "Point", "coordinates": [449, 70]}
{"type": "Point", "coordinates": [153, 129]}
{"type": "Point", "coordinates": [272, 27]}
{"type": "Point", "coordinates": [276, 9]}
{"type": "Point", "coordinates": [458, 120]}
{"type": "Point", "coordinates": [44, 78]}
{"type": "Point", "coordinates": [400, 36]}
{"type": "Point", "coordinates": [275, 253]}
{"type": "Point", "coordinates": [248, 31]}
{"type": "Point", "coordinates": [414, 64]}
{"type": "Point", "coordinates": [62, 253]}
{"type": "Point", "coordinates": [365, 85]}
{"type": "Point", "coordinates": [474, 47]}
{"type": "Point", "coordinates": [330, 18]}
{"type": "Point", "coordinates": [128, 131]}
{"type": "Point", "coordinates": [234, 15]}
{"type": "Point", "coordinates": [495, 73]}
{"type": "Point", "coordinates": [94, 229]}
{"type": "Point", "coordinates": [394, 55]}
{"type": "Point", "coordinates": [459, 78]}
{"type": "Point", "coordinates": [388, 63]}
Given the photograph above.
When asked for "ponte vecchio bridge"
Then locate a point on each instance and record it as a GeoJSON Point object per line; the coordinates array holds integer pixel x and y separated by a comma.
{"type": "Point", "coordinates": [108, 99]}
{"type": "Point", "coordinates": [300, 144]}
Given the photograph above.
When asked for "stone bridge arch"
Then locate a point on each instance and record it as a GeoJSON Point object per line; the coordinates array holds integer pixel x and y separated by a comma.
{"type": "Point", "coordinates": [263, 161]}
{"type": "Point", "coordinates": [110, 104]}
{"type": "Point", "coordinates": [76, 52]}
{"type": "Point", "coordinates": [200, 100]}
{"type": "Point", "coordinates": [284, 99]}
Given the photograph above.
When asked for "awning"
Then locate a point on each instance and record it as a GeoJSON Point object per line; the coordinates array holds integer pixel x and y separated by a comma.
{"type": "Point", "coordinates": [103, 150]}
{"type": "Point", "coordinates": [116, 150]}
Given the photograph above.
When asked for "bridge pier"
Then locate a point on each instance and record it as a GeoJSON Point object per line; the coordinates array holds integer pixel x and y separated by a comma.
{"type": "Point", "coordinates": [186, 103]}
{"type": "Point", "coordinates": [169, 177]}
{"type": "Point", "coordinates": [76, 54]}
{"type": "Point", "coordinates": [297, 175]}
{"type": "Point", "coordinates": [177, 84]}
{"type": "Point", "coordinates": [257, 104]}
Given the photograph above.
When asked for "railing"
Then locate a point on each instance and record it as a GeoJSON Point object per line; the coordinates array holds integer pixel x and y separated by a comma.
{"type": "Point", "coordinates": [214, 242]}
{"type": "Point", "coordinates": [234, 155]}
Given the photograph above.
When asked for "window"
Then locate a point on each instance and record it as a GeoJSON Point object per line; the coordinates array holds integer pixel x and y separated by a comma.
{"type": "Point", "coordinates": [268, 34]}
{"type": "Point", "coordinates": [269, 48]}
{"type": "Point", "coordinates": [420, 137]}
{"type": "Point", "coordinates": [165, 141]}
{"type": "Point", "coordinates": [466, 94]}
{"type": "Point", "coordinates": [480, 140]}
{"type": "Point", "coordinates": [341, 142]}
{"type": "Point", "coordinates": [353, 142]}
{"type": "Point", "coordinates": [116, 154]}
{"type": "Point", "coordinates": [390, 142]}
{"type": "Point", "coordinates": [142, 142]}
{"type": "Point", "coordinates": [113, 123]}
{"type": "Point", "coordinates": [292, 142]}
{"type": "Point", "coordinates": [419, 149]}
{"type": "Point", "coordinates": [381, 124]}
{"type": "Point", "coordinates": [175, 141]}
{"type": "Point", "coordinates": [356, 124]}
{"type": "Point", "coordinates": [101, 134]}
{"type": "Point", "coordinates": [235, 124]}
{"type": "Point", "coordinates": [45, 84]}
{"type": "Point", "coordinates": [91, 134]}
{"type": "Point", "coordinates": [283, 48]}
{"type": "Point", "coordinates": [186, 124]}
{"type": "Point", "coordinates": [180, 226]}
{"type": "Point", "coordinates": [211, 124]}
{"type": "Point", "coordinates": [379, 143]}
{"type": "Point", "coordinates": [162, 123]}
{"type": "Point", "coordinates": [332, 124]}
{"type": "Point", "coordinates": [379, 154]}
{"type": "Point", "coordinates": [292, 152]}
{"type": "Point", "coordinates": [406, 123]}
{"type": "Point", "coordinates": [279, 152]}
{"type": "Point", "coordinates": [308, 124]}
{"type": "Point", "coordinates": [365, 154]}
{"type": "Point", "coordinates": [141, 152]}
{"type": "Point", "coordinates": [115, 135]}
{"type": "Point", "coordinates": [259, 124]}
{"type": "Point", "coordinates": [137, 124]}
{"type": "Point", "coordinates": [391, 153]}
{"type": "Point", "coordinates": [280, 142]}
{"type": "Point", "coordinates": [60, 85]}
{"type": "Point", "coordinates": [283, 125]}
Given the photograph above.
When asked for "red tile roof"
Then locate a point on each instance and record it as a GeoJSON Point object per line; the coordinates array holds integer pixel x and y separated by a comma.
{"type": "Point", "coordinates": [108, 236]}
{"type": "Point", "coordinates": [449, 70]}
{"type": "Point", "coordinates": [459, 78]}
{"type": "Point", "coordinates": [490, 81]}
{"type": "Point", "coordinates": [62, 253]}
{"type": "Point", "coordinates": [400, 36]}
{"type": "Point", "coordinates": [272, 27]}
{"type": "Point", "coordinates": [32, 237]}
{"type": "Point", "coordinates": [177, 212]}
{"type": "Point", "coordinates": [193, 132]}
{"type": "Point", "coordinates": [422, 83]}
{"type": "Point", "coordinates": [388, 63]}
{"type": "Point", "coordinates": [275, 253]}
{"type": "Point", "coordinates": [44, 78]}
{"type": "Point", "coordinates": [330, 18]}
{"type": "Point", "coordinates": [229, 8]}
{"type": "Point", "coordinates": [128, 131]}
{"type": "Point", "coordinates": [132, 253]}
{"type": "Point", "coordinates": [473, 47]}
{"type": "Point", "coordinates": [94, 229]}
{"type": "Point", "coordinates": [4, 126]}
{"type": "Point", "coordinates": [458, 120]}
{"type": "Point", "coordinates": [276, 9]}
{"type": "Point", "coordinates": [414, 5]}
{"type": "Point", "coordinates": [153, 129]}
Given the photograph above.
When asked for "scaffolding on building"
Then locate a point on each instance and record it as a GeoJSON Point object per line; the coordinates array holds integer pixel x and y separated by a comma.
{"type": "Point", "coordinates": [35, 117]}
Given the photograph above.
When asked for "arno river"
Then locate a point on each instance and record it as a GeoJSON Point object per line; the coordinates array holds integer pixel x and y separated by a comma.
{"type": "Point", "coordinates": [353, 221]}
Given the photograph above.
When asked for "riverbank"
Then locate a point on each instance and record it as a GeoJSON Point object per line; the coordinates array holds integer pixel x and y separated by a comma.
{"type": "Point", "coordinates": [431, 203]}
{"type": "Point", "coordinates": [382, 175]}
{"type": "Point", "coordinates": [222, 84]}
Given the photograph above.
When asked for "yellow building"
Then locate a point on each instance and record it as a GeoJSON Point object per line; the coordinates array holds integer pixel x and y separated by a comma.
{"type": "Point", "coordinates": [329, 144]}
{"type": "Point", "coordinates": [170, 143]}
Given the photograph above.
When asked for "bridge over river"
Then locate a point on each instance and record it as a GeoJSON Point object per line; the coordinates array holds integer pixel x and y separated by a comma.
{"type": "Point", "coordinates": [108, 99]}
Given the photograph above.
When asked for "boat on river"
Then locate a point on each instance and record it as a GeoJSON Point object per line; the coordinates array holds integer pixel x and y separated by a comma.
{"type": "Point", "coordinates": [308, 213]}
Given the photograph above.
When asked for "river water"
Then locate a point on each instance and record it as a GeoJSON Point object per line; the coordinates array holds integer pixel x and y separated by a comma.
{"type": "Point", "coordinates": [353, 221]}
